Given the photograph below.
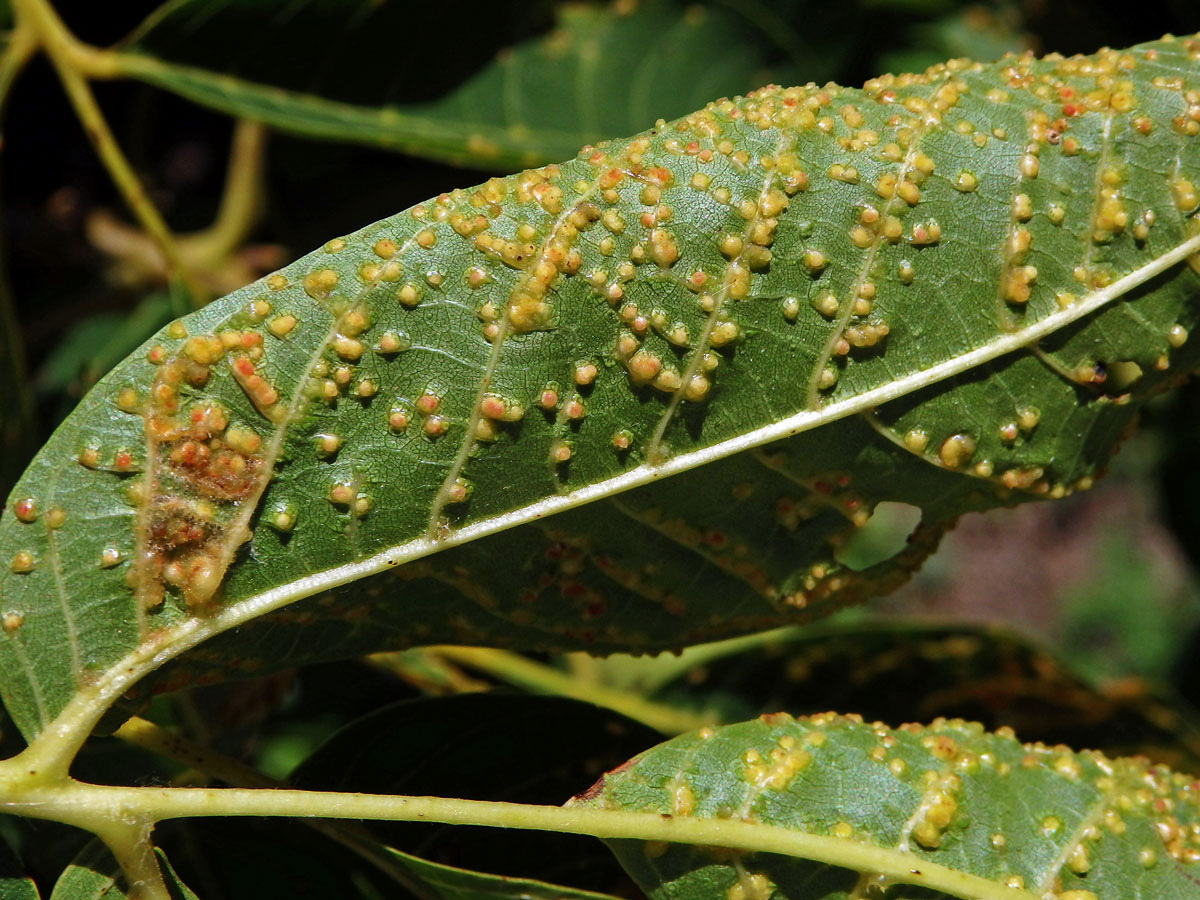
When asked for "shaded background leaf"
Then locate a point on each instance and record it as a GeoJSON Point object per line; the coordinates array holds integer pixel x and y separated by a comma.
{"type": "Point", "coordinates": [912, 672]}
{"type": "Point", "coordinates": [592, 71]}
{"type": "Point", "coordinates": [94, 873]}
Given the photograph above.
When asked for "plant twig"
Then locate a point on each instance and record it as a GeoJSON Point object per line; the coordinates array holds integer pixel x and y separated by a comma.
{"type": "Point", "coordinates": [62, 48]}
{"type": "Point", "coordinates": [90, 806]}
{"type": "Point", "coordinates": [149, 736]}
{"type": "Point", "coordinates": [15, 432]}
{"type": "Point", "coordinates": [519, 671]}
{"type": "Point", "coordinates": [134, 852]}
{"type": "Point", "coordinates": [351, 835]}
{"type": "Point", "coordinates": [241, 198]}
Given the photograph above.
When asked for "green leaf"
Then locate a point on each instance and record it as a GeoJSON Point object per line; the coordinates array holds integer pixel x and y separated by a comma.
{"type": "Point", "coordinates": [451, 883]}
{"type": "Point", "coordinates": [666, 380]}
{"type": "Point", "coordinates": [333, 71]}
{"type": "Point", "coordinates": [947, 807]}
{"type": "Point", "coordinates": [94, 873]}
{"type": "Point", "coordinates": [14, 883]}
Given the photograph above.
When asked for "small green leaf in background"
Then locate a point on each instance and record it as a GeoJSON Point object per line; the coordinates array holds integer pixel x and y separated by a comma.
{"type": "Point", "coordinates": [599, 70]}
{"type": "Point", "coordinates": [592, 70]}
{"type": "Point", "coordinates": [94, 873]}
{"type": "Point", "coordinates": [452, 883]}
{"type": "Point", "coordinates": [14, 883]}
{"type": "Point", "coordinates": [946, 806]}
{"type": "Point", "coordinates": [916, 671]}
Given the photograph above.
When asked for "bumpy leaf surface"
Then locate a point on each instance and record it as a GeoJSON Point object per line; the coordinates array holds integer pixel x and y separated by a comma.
{"type": "Point", "coordinates": [666, 379]}
{"type": "Point", "coordinates": [931, 804]}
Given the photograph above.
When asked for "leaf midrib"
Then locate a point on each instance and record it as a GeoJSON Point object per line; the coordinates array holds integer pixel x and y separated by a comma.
{"type": "Point", "coordinates": [85, 708]}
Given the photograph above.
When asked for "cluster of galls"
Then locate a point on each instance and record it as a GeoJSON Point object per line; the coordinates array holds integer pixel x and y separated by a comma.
{"type": "Point", "coordinates": [201, 471]}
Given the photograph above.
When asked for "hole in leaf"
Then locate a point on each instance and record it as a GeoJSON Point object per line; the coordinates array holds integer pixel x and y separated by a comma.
{"type": "Point", "coordinates": [884, 535]}
{"type": "Point", "coordinates": [1122, 376]}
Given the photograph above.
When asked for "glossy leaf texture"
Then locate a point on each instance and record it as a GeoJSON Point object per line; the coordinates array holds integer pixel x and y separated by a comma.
{"type": "Point", "coordinates": [333, 71]}
{"type": "Point", "coordinates": [666, 380]}
{"type": "Point", "coordinates": [948, 808]}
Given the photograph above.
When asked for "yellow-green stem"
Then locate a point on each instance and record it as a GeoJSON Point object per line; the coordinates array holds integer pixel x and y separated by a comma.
{"type": "Point", "coordinates": [91, 806]}
{"type": "Point", "coordinates": [519, 671]}
{"type": "Point", "coordinates": [241, 198]}
{"type": "Point", "coordinates": [156, 739]}
{"type": "Point", "coordinates": [64, 52]}
{"type": "Point", "coordinates": [134, 852]}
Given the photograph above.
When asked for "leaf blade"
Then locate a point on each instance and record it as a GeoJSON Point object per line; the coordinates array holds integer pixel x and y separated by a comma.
{"type": "Point", "coordinates": [925, 801]}
{"type": "Point", "coordinates": [573, 333]}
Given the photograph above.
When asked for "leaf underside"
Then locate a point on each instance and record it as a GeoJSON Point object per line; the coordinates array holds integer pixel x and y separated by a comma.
{"type": "Point", "coordinates": [1076, 826]}
{"type": "Point", "coordinates": [798, 304]}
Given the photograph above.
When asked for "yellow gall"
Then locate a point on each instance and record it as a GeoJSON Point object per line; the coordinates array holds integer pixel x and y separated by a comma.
{"type": "Point", "coordinates": [127, 400]}
{"type": "Point", "coordinates": [560, 452]}
{"type": "Point", "coordinates": [697, 388]}
{"type": "Point", "coordinates": [908, 192]}
{"type": "Point", "coordinates": [1185, 195]}
{"type": "Point", "coordinates": [966, 182]}
{"type": "Point", "coordinates": [348, 348]}
{"type": "Point", "coordinates": [409, 295]}
{"type": "Point", "coordinates": [385, 248]}
{"type": "Point", "coordinates": [956, 450]}
{"type": "Point", "coordinates": [861, 237]}
{"type": "Point", "coordinates": [584, 373]}
{"type": "Point", "coordinates": [319, 283]}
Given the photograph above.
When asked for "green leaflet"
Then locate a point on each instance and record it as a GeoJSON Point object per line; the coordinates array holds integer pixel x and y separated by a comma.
{"type": "Point", "coordinates": [453, 883]}
{"type": "Point", "coordinates": [947, 807]}
{"type": "Point", "coordinates": [665, 379]}
{"type": "Point", "coordinates": [14, 883]}
{"type": "Point", "coordinates": [332, 70]}
{"type": "Point", "coordinates": [94, 873]}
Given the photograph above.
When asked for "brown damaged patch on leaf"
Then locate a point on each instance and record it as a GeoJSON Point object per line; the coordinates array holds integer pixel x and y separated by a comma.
{"type": "Point", "coordinates": [200, 472]}
{"type": "Point", "coordinates": [596, 789]}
